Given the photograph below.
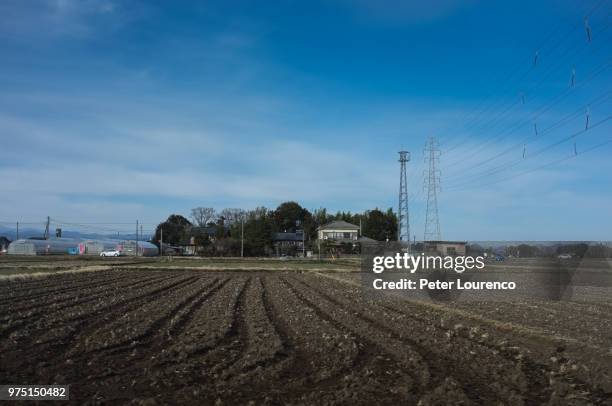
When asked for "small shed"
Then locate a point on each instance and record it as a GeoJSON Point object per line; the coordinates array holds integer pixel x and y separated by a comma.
{"type": "Point", "coordinates": [451, 248]}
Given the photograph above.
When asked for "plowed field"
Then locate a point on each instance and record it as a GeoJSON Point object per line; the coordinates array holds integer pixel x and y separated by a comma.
{"type": "Point", "coordinates": [161, 337]}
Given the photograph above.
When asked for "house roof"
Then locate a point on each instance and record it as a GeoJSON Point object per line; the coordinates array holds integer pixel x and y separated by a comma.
{"type": "Point", "coordinates": [366, 239]}
{"type": "Point", "coordinates": [339, 225]}
{"type": "Point", "coordinates": [445, 242]}
{"type": "Point", "coordinates": [288, 236]}
{"type": "Point", "coordinates": [210, 230]}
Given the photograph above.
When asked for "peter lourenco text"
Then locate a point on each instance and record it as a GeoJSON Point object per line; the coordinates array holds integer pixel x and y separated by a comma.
{"type": "Point", "coordinates": [410, 263]}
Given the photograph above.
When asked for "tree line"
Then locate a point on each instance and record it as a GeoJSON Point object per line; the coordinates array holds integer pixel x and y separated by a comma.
{"type": "Point", "coordinates": [574, 250]}
{"type": "Point", "coordinates": [219, 233]}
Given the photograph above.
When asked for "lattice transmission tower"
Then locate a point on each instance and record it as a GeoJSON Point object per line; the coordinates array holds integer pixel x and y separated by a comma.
{"type": "Point", "coordinates": [432, 185]}
{"type": "Point", "coordinates": [403, 221]}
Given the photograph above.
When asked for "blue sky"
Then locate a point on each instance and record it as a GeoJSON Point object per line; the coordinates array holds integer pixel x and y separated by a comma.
{"type": "Point", "coordinates": [112, 111]}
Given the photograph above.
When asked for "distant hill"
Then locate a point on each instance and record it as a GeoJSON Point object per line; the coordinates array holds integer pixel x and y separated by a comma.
{"type": "Point", "coordinates": [503, 244]}
{"type": "Point", "coordinates": [35, 232]}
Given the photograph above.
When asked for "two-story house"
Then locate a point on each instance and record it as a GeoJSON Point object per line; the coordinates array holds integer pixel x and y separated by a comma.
{"type": "Point", "coordinates": [339, 231]}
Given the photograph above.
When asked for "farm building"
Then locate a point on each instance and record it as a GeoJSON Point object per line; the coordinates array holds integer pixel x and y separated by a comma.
{"type": "Point", "coordinates": [145, 249]}
{"type": "Point", "coordinates": [95, 247]}
{"type": "Point", "coordinates": [288, 243]}
{"type": "Point", "coordinates": [446, 247]}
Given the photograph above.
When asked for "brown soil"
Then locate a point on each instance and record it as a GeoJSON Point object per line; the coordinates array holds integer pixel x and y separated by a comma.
{"type": "Point", "coordinates": [168, 337]}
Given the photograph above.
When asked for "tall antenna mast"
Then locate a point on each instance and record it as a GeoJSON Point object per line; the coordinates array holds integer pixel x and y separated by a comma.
{"type": "Point", "coordinates": [432, 183]}
{"type": "Point", "coordinates": [47, 228]}
{"type": "Point", "coordinates": [403, 221]}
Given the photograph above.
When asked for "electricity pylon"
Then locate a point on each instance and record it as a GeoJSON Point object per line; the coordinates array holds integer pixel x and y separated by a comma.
{"type": "Point", "coordinates": [432, 184]}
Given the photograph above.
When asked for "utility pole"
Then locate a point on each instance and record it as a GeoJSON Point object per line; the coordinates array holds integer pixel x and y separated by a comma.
{"type": "Point", "coordinates": [403, 221]}
{"type": "Point", "coordinates": [17, 234]}
{"type": "Point", "coordinates": [136, 237]}
{"type": "Point", "coordinates": [432, 184]}
{"type": "Point", "coordinates": [161, 241]}
{"type": "Point", "coordinates": [241, 236]}
{"type": "Point", "coordinates": [303, 243]}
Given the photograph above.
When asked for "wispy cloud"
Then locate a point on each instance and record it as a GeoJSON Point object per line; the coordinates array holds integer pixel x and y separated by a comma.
{"type": "Point", "coordinates": [47, 19]}
{"type": "Point", "coordinates": [105, 120]}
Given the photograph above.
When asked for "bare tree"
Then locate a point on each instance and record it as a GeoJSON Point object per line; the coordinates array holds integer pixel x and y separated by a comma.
{"type": "Point", "coordinates": [203, 215]}
{"type": "Point", "coordinates": [231, 215]}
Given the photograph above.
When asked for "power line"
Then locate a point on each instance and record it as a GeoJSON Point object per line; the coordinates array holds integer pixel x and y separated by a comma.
{"type": "Point", "coordinates": [531, 67]}
{"type": "Point", "coordinates": [555, 162]}
{"type": "Point", "coordinates": [12, 223]}
{"type": "Point", "coordinates": [514, 101]}
{"type": "Point", "coordinates": [526, 140]}
{"type": "Point", "coordinates": [508, 165]}
{"type": "Point", "coordinates": [507, 81]}
{"type": "Point", "coordinates": [596, 72]}
{"type": "Point", "coordinates": [532, 119]}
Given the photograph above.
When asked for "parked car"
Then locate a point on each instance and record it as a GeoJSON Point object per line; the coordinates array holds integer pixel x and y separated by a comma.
{"type": "Point", "coordinates": [499, 258]}
{"type": "Point", "coordinates": [110, 253]}
{"type": "Point", "coordinates": [565, 256]}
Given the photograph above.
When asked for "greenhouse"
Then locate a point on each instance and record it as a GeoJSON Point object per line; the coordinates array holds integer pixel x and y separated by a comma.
{"type": "Point", "coordinates": [75, 246]}
{"type": "Point", "coordinates": [56, 246]}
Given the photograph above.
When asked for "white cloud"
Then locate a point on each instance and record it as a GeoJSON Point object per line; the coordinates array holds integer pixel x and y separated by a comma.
{"type": "Point", "coordinates": [128, 163]}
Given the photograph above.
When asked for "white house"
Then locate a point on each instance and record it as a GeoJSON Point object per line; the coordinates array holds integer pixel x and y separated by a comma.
{"type": "Point", "coordinates": [339, 231]}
